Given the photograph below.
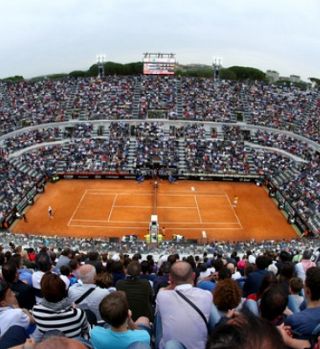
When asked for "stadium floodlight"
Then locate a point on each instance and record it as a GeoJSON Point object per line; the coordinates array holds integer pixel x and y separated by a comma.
{"type": "Point", "coordinates": [101, 58]}
{"type": "Point", "coordinates": [216, 67]}
{"type": "Point", "coordinates": [217, 61]}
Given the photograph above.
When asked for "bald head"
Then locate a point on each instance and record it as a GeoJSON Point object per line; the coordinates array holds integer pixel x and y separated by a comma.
{"type": "Point", "coordinates": [181, 273]}
{"type": "Point", "coordinates": [87, 274]}
{"type": "Point", "coordinates": [231, 267]}
{"type": "Point", "coordinates": [61, 343]}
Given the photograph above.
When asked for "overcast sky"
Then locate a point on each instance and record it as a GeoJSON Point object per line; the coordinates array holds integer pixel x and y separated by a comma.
{"type": "Point", "coordinates": [40, 37]}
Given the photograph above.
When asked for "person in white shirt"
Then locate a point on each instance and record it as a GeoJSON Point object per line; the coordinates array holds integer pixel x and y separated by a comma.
{"type": "Point", "coordinates": [235, 274]}
{"type": "Point", "coordinates": [179, 320]}
{"type": "Point", "coordinates": [10, 313]}
{"type": "Point", "coordinates": [305, 263]}
{"type": "Point", "coordinates": [87, 277]}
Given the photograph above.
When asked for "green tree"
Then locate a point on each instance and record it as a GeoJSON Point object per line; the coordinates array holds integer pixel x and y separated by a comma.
{"type": "Point", "coordinates": [316, 81]}
{"type": "Point", "coordinates": [112, 68]}
{"type": "Point", "coordinates": [79, 74]}
{"type": "Point", "coordinates": [227, 74]}
{"type": "Point", "coordinates": [247, 73]}
{"type": "Point", "coordinates": [15, 78]}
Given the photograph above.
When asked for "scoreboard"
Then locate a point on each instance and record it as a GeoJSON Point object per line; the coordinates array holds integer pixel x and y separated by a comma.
{"type": "Point", "coordinates": [159, 63]}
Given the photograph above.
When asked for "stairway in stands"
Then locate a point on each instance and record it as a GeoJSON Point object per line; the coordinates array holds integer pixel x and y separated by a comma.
{"type": "Point", "coordinates": [285, 176]}
{"type": "Point", "coordinates": [25, 168]}
{"type": "Point", "coordinates": [245, 105]}
{"type": "Point", "coordinates": [183, 168]}
{"type": "Point", "coordinates": [179, 110]}
{"type": "Point", "coordinates": [251, 155]}
{"type": "Point", "coordinates": [132, 155]}
{"type": "Point", "coordinates": [136, 99]}
{"type": "Point", "coordinates": [72, 112]}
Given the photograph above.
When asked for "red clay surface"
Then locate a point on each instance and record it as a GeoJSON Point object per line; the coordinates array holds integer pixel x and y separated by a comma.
{"type": "Point", "coordinates": [113, 208]}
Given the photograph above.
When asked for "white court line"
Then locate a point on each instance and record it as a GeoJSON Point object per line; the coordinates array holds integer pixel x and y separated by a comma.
{"type": "Point", "coordinates": [189, 194]}
{"type": "Point", "coordinates": [197, 206]}
{"type": "Point", "coordinates": [76, 209]}
{"type": "Point", "coordinates": [137, 222]}
{"type": "Point", "coordinates": [171, 207]}
{"type": "Point", "coordinates": [90, 220]}
{"type": "Point", "coordinates": [178, 193]}
{"type": "Point", "coordinates": [131, 206]}
{"type": "Point", "coordinates": [113, 202]}
{"type": "Point", "coordinates": [107, 226]}
{"type": "Point", "coordinates": [162, 207]}
{"type": "Point", "coordinates": [135, 227]}
{"type": "Point", "coordinates": [186, 195]}
{"type": "Point", "coordinates": [204, 223]}
{"type": "Point", "coordinates": [205, 228]}
{"type": "Point", "coordinates": [112, 193]}
{"type": "Point", "coordinates": [232, 209]}
{"type": "Point", "coordinates": [182, 207]}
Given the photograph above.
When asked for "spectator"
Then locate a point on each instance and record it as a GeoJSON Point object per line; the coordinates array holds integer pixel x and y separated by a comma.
{"type": "Point", "coordinates": [138, 291]}
{"type": "Point", "coordinates": [273, 304]}
{"type": "Point", "coordinates": [24, 293]}
{"type": "Point", "coordinates": [64, 258]}
{"type": "Point", "coordinates": [303, 323]}
{"type": "Point", "coordinates": [124, 331]}
{"type": "Point", "coordinates": [55, 312]}
{"type": "Point", "coordinates": [175, 314]}
{"type": "Point", "coordinates": [243, 332]}
{"type": "Point", "coordinates": [87, 295]}
{"type": "Point", "coordinates": [295, 294]}
{"type": "Point", "coordinates": [255, 278]}
{"type": "Point", "coordinates": [304, 264]}
{"type": "Point", "coordinates": [44, 265]}
{"type": "Point", "coordinates": [162, 278]}
{"type": "Point", "coordinates": [226, 297]}
{"type": "Point", "coordinates": [10, 313]}
{"type": "Point", "coordinates": [60, 342]}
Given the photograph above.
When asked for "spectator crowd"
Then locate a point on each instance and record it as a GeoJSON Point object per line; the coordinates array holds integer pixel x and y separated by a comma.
{"type": "Point", "coordinates": [192, 148]}
{"type": "Point", "coordinates": [30, 103]}
{"type": "Point", "coordinates": [99, 294]}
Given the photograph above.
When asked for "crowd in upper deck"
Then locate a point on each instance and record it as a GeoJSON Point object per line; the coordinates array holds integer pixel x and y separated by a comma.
{"type": "Point", "coordinates": [115, 97]}
{"type": "Point", "coordinates": [282, 107]}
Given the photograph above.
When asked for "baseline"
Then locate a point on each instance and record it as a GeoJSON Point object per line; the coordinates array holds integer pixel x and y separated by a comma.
{"type": "Point", "coordinates": [137, 227]}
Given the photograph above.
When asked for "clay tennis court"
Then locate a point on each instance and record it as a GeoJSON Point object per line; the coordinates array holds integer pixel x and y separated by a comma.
{"type": "Point", "coordinates": [113, 208]}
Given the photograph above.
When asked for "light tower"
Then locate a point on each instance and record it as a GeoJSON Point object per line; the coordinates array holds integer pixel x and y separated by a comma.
{"type": "Point", "coordinates": [101, 58]}
{"type": "Point", "coordinates": [216, 67]}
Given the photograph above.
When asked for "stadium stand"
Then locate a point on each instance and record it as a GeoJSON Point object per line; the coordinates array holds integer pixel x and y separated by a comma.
{"type": "Point", "coordinates": [247, 130]}
{"type": "Point", "coordinates": [194, 128]}
{"type": "Point", "coordinates": [272, 259]}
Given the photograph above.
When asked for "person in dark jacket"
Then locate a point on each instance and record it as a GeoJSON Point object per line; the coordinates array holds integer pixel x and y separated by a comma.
{"type": "Point", "coordinates": [139, 292]}
{"type": "Point", "coordinates": [24, 293]}
{"type": "Point", "coordinates": [254, 279]}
